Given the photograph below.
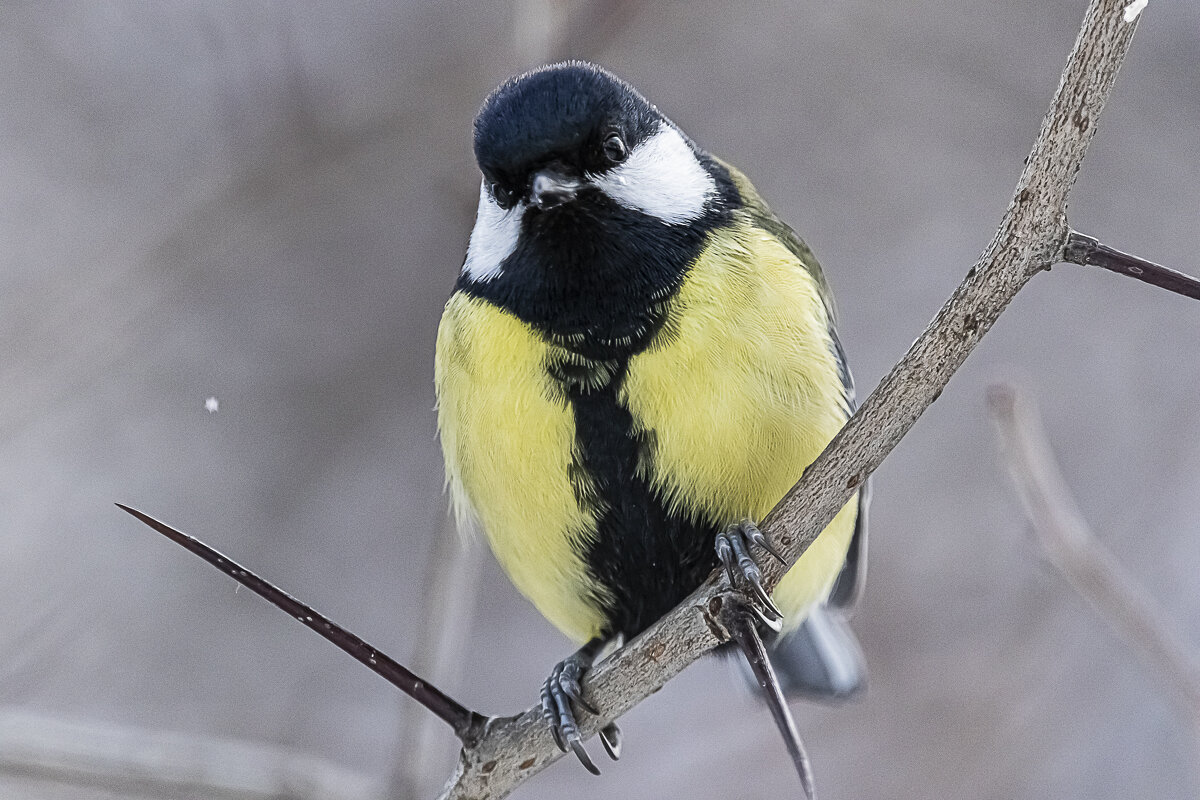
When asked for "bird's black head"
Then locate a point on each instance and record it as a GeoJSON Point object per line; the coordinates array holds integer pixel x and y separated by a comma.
{"type": "Point", "coordinates": [592, 207]}
{"type": "Point", "coordinates": [569, 120]}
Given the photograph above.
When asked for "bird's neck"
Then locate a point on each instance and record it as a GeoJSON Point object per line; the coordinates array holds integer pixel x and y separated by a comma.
{"type": "Point", "coordinates": [597, 283]}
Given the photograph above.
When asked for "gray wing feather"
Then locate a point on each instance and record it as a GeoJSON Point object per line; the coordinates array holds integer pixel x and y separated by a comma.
{"type": "Point", "coordinates": [848, 587]}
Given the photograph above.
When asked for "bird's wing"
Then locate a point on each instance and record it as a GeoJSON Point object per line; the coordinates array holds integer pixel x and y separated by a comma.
{"type": "Point", "coordinates": [849, 584]}
{"type": "Point", "coordinates": [848, 587]}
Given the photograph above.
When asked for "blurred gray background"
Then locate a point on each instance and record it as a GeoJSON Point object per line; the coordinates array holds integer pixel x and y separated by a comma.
{"type": "Point", "coordinates": [268, 202]}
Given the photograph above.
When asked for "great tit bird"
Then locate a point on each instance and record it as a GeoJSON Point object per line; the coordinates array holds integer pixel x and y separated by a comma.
{"type": "Point", "coordinates": [637, 361]}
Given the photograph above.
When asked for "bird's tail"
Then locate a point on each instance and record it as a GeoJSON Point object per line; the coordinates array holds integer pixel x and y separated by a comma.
{"type": "Point", "coordinates": [820, 660]}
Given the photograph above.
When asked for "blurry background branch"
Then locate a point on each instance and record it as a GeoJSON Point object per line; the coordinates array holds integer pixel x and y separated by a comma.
{"type": "Point", "coordinates": [127, 762]}
{"type": "Point", "coordinates": [1069, 544]}
{"type": "Point", "coordinates": [545, 31]}
{"type": "Point", "coordinates": [1031, 237]}
{"type": "Point", "coordinates": [451, 581]}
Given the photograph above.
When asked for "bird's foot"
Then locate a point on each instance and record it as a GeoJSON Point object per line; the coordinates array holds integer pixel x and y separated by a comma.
{"type": "Point", "coordinates": [559, 691]}
{"type": "Point", "coordinates": [733, 548]}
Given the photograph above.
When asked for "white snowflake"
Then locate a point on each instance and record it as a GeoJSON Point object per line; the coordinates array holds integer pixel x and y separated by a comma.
{"type": "Point", "coordinates": [212, 405]}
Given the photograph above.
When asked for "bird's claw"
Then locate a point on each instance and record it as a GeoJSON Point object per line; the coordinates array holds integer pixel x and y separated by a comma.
{"type": "Point", "coordinates": [751, 532]}
{"type": "Point", "coordinates": [558, 691]}
{"type": "Point", "coordinates": [610, 737]}
{"type": "Point", "coordinates": [582, 755]}
{"type": "Point", "coordinates": [734, 552]}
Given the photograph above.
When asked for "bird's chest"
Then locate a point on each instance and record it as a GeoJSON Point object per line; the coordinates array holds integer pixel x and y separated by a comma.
{"type": "Point", "coordinates": [542, 448]}
{"type": "Point", "coordinates": [600, 482]}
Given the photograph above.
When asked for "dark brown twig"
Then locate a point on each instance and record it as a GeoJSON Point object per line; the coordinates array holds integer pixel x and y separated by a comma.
{"type": "Point", "coordinates": [464, 721]}
{"type": "Point", "coordinates": [1090, 252]}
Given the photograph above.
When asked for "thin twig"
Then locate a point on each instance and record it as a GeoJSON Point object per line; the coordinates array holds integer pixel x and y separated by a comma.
{"type": "Point", "coordinates": [1088, 566]}
{"type": "Point", "coordinates": [1088, 251]}
{"type": "Point", "coordinates": [462, 720]}
{"type": "Point", "coordinates": [1030, 238]}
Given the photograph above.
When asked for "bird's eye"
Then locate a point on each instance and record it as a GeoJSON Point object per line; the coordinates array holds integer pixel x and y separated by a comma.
{"type": "Point", "coordinates": [500, 194]}
{"type": "Point", "coordinates": [614, 148]}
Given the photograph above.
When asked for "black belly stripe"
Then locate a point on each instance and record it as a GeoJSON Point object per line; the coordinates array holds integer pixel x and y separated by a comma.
{"type": "Point", "coordinates": [645, 557]}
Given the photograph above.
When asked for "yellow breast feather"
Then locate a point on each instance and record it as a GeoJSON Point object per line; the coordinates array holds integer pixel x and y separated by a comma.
{"type": "Point", "coordinates": [507, 436]}
{"type": "Point", "coordinates": [737, 394]}
{"type": "Point", "coordinates": [740, 392]}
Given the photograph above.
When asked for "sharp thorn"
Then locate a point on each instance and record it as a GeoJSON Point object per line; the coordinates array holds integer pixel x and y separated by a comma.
{"type": "Point", "coordinates": [751, 644]}
{"type": "Point", "coordinates": [458, 717]}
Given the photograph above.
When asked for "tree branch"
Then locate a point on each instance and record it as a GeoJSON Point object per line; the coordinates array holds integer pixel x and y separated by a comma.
{"type": "Point", "coordinates": [1088, 566]}
{"type": "Point", "coordinates": [501, 753]}
{"type": "Point", "coordinates": [504, 752]}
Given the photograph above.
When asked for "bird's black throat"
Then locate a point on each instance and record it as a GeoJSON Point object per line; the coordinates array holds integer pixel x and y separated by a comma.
{"type": "Point", "coordinates": [594, 275]}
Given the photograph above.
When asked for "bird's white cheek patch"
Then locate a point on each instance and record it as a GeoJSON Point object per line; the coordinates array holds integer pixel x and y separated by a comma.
{"type": "Point", "coordinates": [493, 239]}
{"type": "Point", "coordinates": [662, 178]}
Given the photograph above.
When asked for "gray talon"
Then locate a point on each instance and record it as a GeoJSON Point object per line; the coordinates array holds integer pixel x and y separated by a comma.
{"type": "Point", "coordinates": [571, 689]}
{"type": "Point", "coordinates": [772, 622]}
{"type": "Point", "coordinates": [550, 714]}
{"type": "Point", "coordinates": [583, 757]}
{"type": "Point", "coordinates": [558, 740]}
{"type": "Point", "coordinates": [568, 680]}
{"type": "Point", "coordinates": [725, 553]}
{"type": "Point", "coordinates": [759, 538]}
{"type": "Point", "coordinates": [610, 737]}
{"type": "Point", "coordinates": [731, 546]}
{"type": "Point", "coordinates": [755, 579]}
{"type": "Point", "coordinates": [563, 688]}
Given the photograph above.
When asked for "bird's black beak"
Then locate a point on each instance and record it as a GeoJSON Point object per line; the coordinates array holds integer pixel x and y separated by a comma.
{"type": "Point", "coordinates": [551, 188]}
